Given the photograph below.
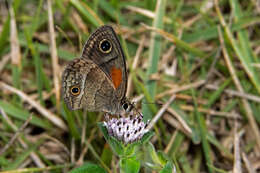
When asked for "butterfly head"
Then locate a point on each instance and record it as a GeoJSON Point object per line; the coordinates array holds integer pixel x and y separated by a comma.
{"type": "Point", "coordinates": [125, 107]}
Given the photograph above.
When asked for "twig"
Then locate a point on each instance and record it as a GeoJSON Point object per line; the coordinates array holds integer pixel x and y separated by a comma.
{"type": "Point", "coordinates": [248, 165]}
{"type": "Point", "coordinates": [160, 112]}
{"type": "Point", "coordinates": [147, 13]}
{"type": "Point", "coordinates": [168, 147]}
{"type": "Point", "coordinates": [134, 66]}
{"type": "Point", "coordinates": [54, 56]}
{"type": "Point", "coordinates": [237, 157]}
{"type": "Point", "coordinates": [235, 93]}
{"type": "Point", "coordinates": [176, 124]}
{"type": "Point", "coordinates": [211, 112]}
{"type": "Point", "coordinates": [49, 115]}
{"type": "Point", "coordinates": [180, 119]}
{"type": "Point", "coordinates": [181, 88]}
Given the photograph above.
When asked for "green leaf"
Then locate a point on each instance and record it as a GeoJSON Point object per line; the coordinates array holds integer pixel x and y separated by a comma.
{"type": "Point", "coordinates": [130, 165]}
{"type": "Point", "coordinates": [162, 157]}
{"type": "Point", "coordinates": [147, 136]}
{"type": "Point", "coordinates": [153, 154]}
{"type": "Point", "coordinates": [88, 168]}
{"type": "Point", "coordinates": [168, 168]}
{"type": "Point", "coordinates": [116, 146]}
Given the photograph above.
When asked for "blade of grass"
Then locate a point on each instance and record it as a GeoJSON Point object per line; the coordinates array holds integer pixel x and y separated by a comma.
{"type": "Point", "coordinates": [178, 42]}
{"type": "Point", "coordinates": [212, 99]}
{"type": "Point", "coordinates": [16, 56]}
{"type": "Point", "coordinates": [87, 12]}
{"type": "Point", "coordinates": [154, 56]}
{"type": "Point", "coordinates": [71, 122]}
{"type": "Point", "coordinates": [22, 156]}
{"type": "Point", "coordinates": [29, 31]}
{"type": "Point", "coordinates": [203, 133]}
{"type": "Point", "coordinates": [245, 103]}
{"type": "Point", "coordinates": [37, 64]}
{"type": "Point", "coordinates": [22, 114]}
{"type": "Point", "coordinates": [45, 112]}
{"type": "Point", "coordinates": [212, 31]}
{"type": "Point", "coordinates": [112, 12]}
{"type": "Point", "coordinates": [93, 151]}
{"type": "Point", "coordinates": [142, 89]}
{"type": "Point", "coordinates": [43, 48]}
{"type": "Point", "coordinates": [49, 168]}
{"type": "Point", "coordinates": [4, 34]}
{"type": "Point", "coordinates": [214, 141]}
{"type": "Point", "coordinates": [242, 34]}
{"type": "Point", "coordinates": [185, 164]}
{"type": "Point", "coordinates": [244, 59]}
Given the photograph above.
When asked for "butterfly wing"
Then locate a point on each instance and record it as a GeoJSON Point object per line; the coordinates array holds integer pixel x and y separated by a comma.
{"type": "Point", "coordinates": [104, 49]}
{"type": "Point", "coordinates": [85, 85]}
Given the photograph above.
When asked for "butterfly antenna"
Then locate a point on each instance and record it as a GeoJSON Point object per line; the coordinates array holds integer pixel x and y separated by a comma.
{"type": "Point", "coordinates": [158, 104]}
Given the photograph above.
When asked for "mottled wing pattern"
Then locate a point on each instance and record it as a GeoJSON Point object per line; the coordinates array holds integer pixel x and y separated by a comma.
{"type": "Point", "coordinates": [95, 88]}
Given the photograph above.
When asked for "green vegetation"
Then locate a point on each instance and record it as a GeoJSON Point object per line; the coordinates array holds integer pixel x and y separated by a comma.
{"type": "Point", "coordinates": [203, 54]}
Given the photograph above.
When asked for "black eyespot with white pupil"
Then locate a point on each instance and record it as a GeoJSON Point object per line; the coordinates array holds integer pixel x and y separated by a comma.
{"type": "Point", "coordinates": [75, 90]}
{"type": "Point", "coordinates": [105, 46]}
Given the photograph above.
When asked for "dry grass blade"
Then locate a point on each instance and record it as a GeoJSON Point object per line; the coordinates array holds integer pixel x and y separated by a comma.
{"type": "Point", "coordinates": [181, 88]}
{"type": "Point", "coordinates": [49, 115]}
{"type": "Point", "coordinates": [211, 112]}
{"type": "Point", "coordinates": [11, 141]}
{"type": "Point", "coordinates": [168, 147]}
{"type": "Point", "coordinates": [236, 93]}
{"type": "Point", "coordinates": [237, 157]}
{"type": "Point", "coordinates": [248, 165]}
{"type": "Point", "coordinates": [180, 119]}
{"type": "Point", "coordinates": [180, 43]}
{"type": "Point", "coordinates": [134, 66]}
{"type": "Point", "coordinates": [246, 105]}
{"type": "Point", "coordinates": [4, 61]}
{"type": "Point", "coordinates": [176, 124]}
{"type": "Point", "coordinates": [15, 47]}
{"type": "Point", "coordinates": [54, 56]}
{"type": "Point", "coordinates": [160, 112]}
{"type": "Point", "coordinates": [147, 13]}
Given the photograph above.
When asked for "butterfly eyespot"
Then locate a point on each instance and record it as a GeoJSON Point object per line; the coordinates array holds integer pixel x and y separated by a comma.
{"type": "Point", "coordinates": [105, 46]}
{"type": "Point", "coordinates": [125, 106]}
{"type": "Point", "coordinates": [75, 90]}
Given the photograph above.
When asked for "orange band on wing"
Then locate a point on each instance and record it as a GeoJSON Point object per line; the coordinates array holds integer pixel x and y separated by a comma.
{"type": "Point", "coordinates": [116, 75]}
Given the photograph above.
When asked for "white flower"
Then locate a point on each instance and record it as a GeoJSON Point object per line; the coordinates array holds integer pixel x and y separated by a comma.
{"type": "Point", "coordinates": [126, 129]}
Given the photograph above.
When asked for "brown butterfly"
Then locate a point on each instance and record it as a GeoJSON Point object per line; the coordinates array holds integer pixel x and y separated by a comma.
{"type": "Point", "coordinates": [97, 81]}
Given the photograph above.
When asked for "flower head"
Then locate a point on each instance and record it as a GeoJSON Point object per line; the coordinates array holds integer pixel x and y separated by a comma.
{"type": "Point", "coordinates": [126, 129]}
